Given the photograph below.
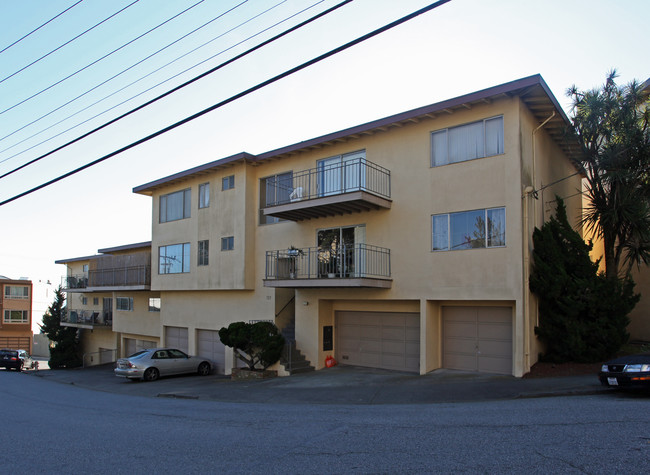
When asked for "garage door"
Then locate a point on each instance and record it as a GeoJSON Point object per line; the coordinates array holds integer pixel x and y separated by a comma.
{"type": "Point", "coordinates": [210, 347]}
{"type": "Point", "coordinates": [131, 345]}
{"type": "Point", "coordinates": [477, 339]}
{"type": "Point", "coordinates": [378, 340]}
{"type": "Point", "coordinates": [176, 337]}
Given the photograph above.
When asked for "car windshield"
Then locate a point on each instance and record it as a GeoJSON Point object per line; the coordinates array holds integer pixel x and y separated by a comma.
{"type": "Point", "coordinates": [138, 354]}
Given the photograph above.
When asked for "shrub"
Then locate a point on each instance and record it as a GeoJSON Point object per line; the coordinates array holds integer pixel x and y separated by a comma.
{"type": "Point", "coordinates": [259, 345]}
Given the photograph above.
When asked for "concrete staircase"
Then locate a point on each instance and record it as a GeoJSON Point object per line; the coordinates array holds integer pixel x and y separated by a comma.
{"type": "Point", "coordinates": [292, 359]}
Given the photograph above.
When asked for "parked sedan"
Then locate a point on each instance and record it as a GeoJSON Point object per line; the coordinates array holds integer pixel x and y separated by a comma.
{"type": "Point", "coordinates": [632, 371]}
{"type": "Point", "coordinates": [9, 359]}
{"type": "Point", "coordinates": [150, 364]}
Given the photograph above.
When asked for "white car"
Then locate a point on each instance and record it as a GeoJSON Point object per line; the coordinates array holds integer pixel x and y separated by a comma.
{"type": "Point", "coordinates": [150, 364]}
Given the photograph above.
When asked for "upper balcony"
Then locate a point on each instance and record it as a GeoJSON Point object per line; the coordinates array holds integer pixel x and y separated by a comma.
{"type": "Point", "coordinates": [104, 280]}
{"type": "Point", "coordinates": [358, 265]}
{"type": "Point", "coordinates": [350, 186]}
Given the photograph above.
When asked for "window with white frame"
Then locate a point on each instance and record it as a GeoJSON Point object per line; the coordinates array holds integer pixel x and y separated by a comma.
{"type": "Point", "coordinates": [275, 190]}
{"type": "Point", "coordinates": [16, 292]}
{"type": "Point", "coordinates": [204, 195]}
{"type": "Point", "coordinates": [228, 182]}
{"type": "Point", "coordinates": [174, 259]}
{"type": "Point", "coordinates": [203, 253]}
{"type": "Point", "coordinates": [474, 229]}
{"type": "Point", "coordinates": [467, 142]}
{"type": "Point", "coordinates": [175, 206]}
{"type": "Point", "coordinates": [227, 243]}
{"type": "Point", "coordinates": [154, 304]}
{"type": "Point", "coordinates": [16, 316]}
{"type": "Point", "coordinates": [124, 304]}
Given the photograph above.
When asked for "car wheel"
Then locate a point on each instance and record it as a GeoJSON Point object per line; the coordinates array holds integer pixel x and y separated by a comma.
{"type": "Point", "coordinates": [204, 368]}
{"type": "Point", "coordinates": [151, 374]}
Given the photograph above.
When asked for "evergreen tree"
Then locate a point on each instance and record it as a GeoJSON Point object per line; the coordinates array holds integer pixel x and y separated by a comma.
{"type": "Point", "coordinates": [66, 349]}
{"type": "Point", "coordinates": [256, 344]}
{"type": "Point", "coordinates": [582, 314]}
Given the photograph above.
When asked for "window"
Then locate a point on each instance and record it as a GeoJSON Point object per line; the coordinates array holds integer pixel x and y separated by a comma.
{"type": "Point", "coordinates": [275, 190]}
{"type": "Point", "coordinates": [16, 316]}
{"type": "Point", "coordinates": [204, 253]}
{"type": "Point", "coordinates": [204, 195]}
{"type": "Point", "coordinates": [175, 206]}
{"type": "Point", "coordinates": [154, 304]}
{"type": "Point", "coordinates": [85, 268]}
{"type": "Point", "coordinates": [174, 259]}
{"type": "Point", "coordinates": [84, 300]}
{"type": "Point", "coordinates": [228, 182]}
{"type": "Point", "coordinates": [16, 292]}
{"type": "Point", "coordinates": [469, 229]}
{"type": "Point", "coordinates": [124, 303]}
{"type": "Point", "coordinates": [95, 300]}
{"type": "Point", "coordinates": [467, 142]}
{"type": "Point", "coordinates": [227, 243]}
{"type": "Point", "coordinates": [342, 173]}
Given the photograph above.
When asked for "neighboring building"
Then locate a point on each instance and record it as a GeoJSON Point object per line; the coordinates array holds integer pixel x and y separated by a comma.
{"type": "Point", "coordinates": [16, 311]}
{"type": "Point", "coordinates": [109, 300]}
{"type": "Point", "coordinates": [404, 243]}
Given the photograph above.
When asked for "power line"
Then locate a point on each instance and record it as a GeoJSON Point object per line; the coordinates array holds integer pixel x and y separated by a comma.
{"type": "Point", "coordinates": [155, 85]}
{"type": "Point", "coordinates": [124, 70]}
{"type": "Point", "coordinates": [233, 98]}
{"type": "Point", "coordinates": [105, 56]}
{"type": "Point", "coordinates": [64, 44]}
{"type": "Point", "coordinates": [39, 27]}
{"type": "Point", "coordinates": [187, 83]}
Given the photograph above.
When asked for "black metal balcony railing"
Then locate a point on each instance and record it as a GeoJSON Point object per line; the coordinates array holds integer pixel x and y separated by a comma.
{"type": "Point", "coordinates": [87, 317]}
{"type": "Point", "coordinates": [118, 277]}
{"type": "Point", "coordinates": [355, 261]}
{"type": "Point", "coordinates": [333, 179]}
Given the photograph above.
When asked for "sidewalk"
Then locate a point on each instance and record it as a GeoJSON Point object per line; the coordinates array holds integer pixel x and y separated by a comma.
{"type": "Point", "coordinates": [338, 385]}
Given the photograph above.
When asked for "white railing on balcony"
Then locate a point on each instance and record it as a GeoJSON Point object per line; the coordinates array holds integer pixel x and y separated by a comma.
{"type": "Point", "coordinates": [328, 180]}
{"type": "Point", "coordinates": [351, 261]}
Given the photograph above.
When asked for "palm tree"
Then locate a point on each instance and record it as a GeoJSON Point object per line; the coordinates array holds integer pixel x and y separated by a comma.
{"type": "Point", "coordinates": [612, 125]}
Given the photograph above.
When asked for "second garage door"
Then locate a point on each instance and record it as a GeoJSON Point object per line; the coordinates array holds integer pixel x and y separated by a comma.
{"type": "Point", "coordinates": [210, 347]}
{"type": "Point", "coordinates": [378, 340]}
{"type": "Point", "coordinates": [176, 337]}
{"type": "Point", "coordinates": [477, 339]}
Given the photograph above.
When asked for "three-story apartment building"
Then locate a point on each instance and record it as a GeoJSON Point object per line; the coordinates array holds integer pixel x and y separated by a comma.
{"type": "Point", "coordinates": [16, 311]}
{"type": "Point", "coordinates": [403, 243]}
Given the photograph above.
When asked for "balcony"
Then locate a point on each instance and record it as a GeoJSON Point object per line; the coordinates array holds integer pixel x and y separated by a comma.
{"type": "Point", "coordinates": [86, 319]}
{"type": "Point", "coordinates": [103, 280]}
{"type": "Point", "coordinates": [352, 186]}
{"type": "Point", "coordinates": [358, 265]}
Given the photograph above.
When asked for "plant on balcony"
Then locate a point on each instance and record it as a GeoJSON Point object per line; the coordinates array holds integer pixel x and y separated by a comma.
{"type": "Point", "coordinates": [258, 345]}
{"type": "Point", "coordinates": [66, 350]}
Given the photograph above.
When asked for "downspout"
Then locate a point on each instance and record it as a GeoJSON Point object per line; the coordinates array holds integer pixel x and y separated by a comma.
{"type": "Point", "coordinates": [528, 191]}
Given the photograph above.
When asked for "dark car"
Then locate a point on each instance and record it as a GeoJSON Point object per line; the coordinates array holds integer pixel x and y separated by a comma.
{"type": "Point", "coordinates": [10, 359]}
{"type": "Point", "coordinates": [632, 371]}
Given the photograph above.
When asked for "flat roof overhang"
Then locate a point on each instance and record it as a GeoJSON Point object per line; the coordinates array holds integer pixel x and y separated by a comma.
{"type": "Point", "coordinates": [335, 205]}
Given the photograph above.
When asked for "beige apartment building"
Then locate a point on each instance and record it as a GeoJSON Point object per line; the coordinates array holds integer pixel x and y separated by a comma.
{"type": "Point", "coordinates": [403, 243]}
{"type": "Point", "coordinates": [16, 311]}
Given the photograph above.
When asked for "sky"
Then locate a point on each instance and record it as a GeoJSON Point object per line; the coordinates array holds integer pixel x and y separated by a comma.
{"type": "Point", "coordinates": [97, 59]}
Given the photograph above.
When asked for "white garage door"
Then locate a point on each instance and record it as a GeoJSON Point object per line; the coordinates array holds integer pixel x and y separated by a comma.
{"type": "Point", "coordinates": [378, 340]}
{"type": "Point", "coordinates": [176, 337]}
{"type": "Point", "coordinates": [477, 339]}
{"type": "Point", "coordinates": [131, 345]}
{"type": "Point", "coordinates": [210, 347]}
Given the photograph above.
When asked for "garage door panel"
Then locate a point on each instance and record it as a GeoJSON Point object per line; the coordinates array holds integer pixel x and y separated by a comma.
{"type": "Point", "coordinates": [210, 347]}
{"type": "Point", "coordinates": [379, 340]}
{"type": "Point", "coordinates": [495, 315]}
{"type": "Point", "coordinates": [495, 365]}
{"type": "Point", "coordinates": [462, 362]}
{"type": "Point", "coordinates": [497, 332]}
{"type": "Point", "coordinates": [495, 348]}
{"type": "Point", "coordinates": [460, 329]}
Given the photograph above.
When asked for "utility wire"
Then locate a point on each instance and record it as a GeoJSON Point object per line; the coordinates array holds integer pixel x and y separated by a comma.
{"type": "Point", "coordinates": [151, 87]}
{"type": "Point", "coordinates": [187, 83]}
{"type": "Point", "coordinates": [64, 44]}
{"type": "Point", "coordinates": [124, 70]}
{"type": "Point", "coordinates": [39, 27]}
{"type": "Point", "coordinates": [233, 98]}
{"type": "Point", "coordinates": [103, 57]}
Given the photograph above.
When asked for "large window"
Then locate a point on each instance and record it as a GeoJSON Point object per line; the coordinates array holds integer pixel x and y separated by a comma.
{"type": "Point", "coordinates": [124, 303]}
{"type": "Point", "coordinates": [467, 142]}
{"type": "Point", "coordinates": [469, 229]}
{"type": "Point", "coordinates": [342, 173]}
{"type": "Point", "coordinates": [274, 190]}
{"type": "Point", "coordinates": [16, 316]}
{"type": "Point", "coordinates": [175, 206]}
{"type": "Point", "coordinates": [16, 292]}
{"type": "Point", "coordinates": [154, 304]}
{"type": "Point", "coordinates": [204, 195]}
{"type": "Point", "coordinates": [203, 253]}
{"type": "Point", "coordinates": [174, 259]}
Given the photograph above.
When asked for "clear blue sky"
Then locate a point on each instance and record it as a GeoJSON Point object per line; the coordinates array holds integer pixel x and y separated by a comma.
{"type": "Point", "coordinates": [458, 48]}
